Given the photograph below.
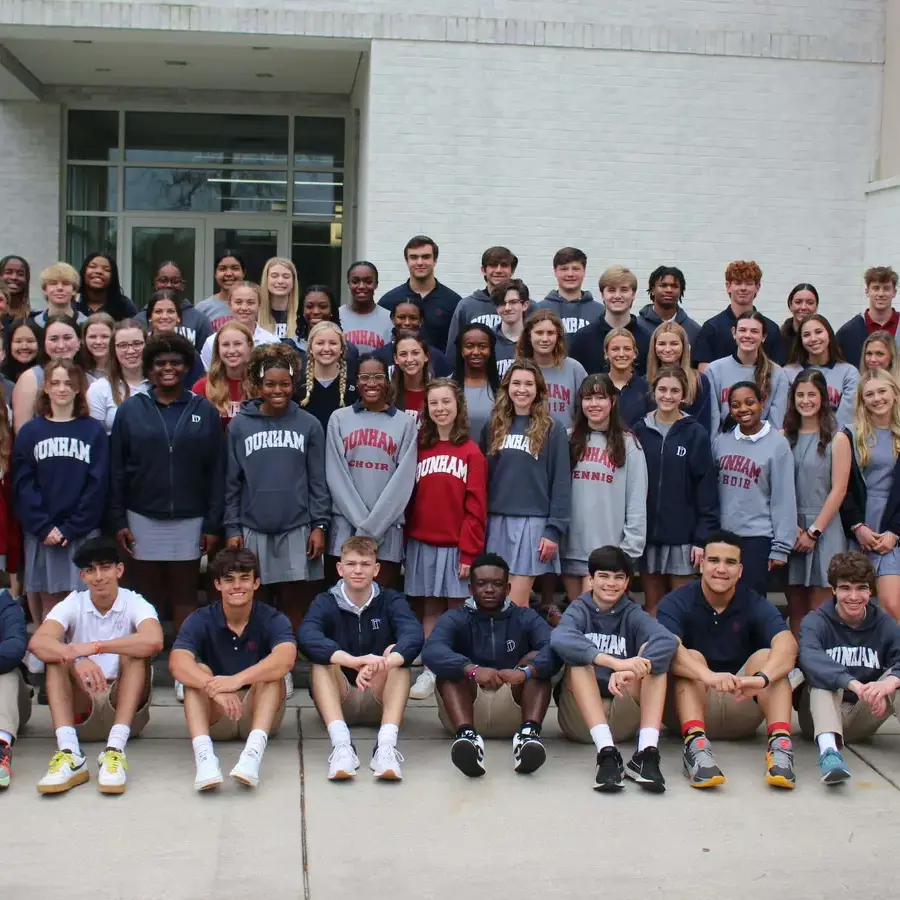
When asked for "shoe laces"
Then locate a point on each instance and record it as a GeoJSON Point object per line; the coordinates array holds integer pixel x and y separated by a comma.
{"type": "Point", "coordinates": [703, 756]}
{"type": "Point", "coordinates": [387, 754]}
{"type": "Point", "coordinates": [60, 758]}
{"type": "Point", "coordinates": [782, 752]}
{"type": "Point", "coordinates": [113, 760]}
{"type": "Point", "coordinates": [340, 750]}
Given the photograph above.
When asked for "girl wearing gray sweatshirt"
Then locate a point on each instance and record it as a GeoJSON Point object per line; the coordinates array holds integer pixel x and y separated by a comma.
{"type": "Point", "coordinates": [370, 465]}
{"type": "Point", "coordinates": [757, 499]}
{"type": "Point", "coordinates": [817, 348]}
{"type": "Point", "coordinates": [609, 484]}
{"type": "Point", "coordinates": [544, 341]}
{"type": "Point", "coordinates": [749, 363]}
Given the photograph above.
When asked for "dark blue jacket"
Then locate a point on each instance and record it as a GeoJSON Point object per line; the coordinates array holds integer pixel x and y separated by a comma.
{"type": "Point", "coordinates": [683, 494]}
{"type": "Point", "coordinates": [850, 338]}
{"type": "Point", "coordinates": [715, 340]}
{"type": "Point", "coordinates": [467, 636]}
{"type": "Point", "coordinates": [853, 509]}
{"type": "Point", "coordinates": [586, 346]}
{"type": "Point", "coordinates": [635, 400]}
{"type": "Point", "coordinates": [331, 625]}
{"type": "Point", "coordinates": [13, 635]}
{"type": "Point", "coordinates": [439, 306]}
{"type": "Point", "coordinates": [701, 408]}
{"type": "Point", "coordinates": [182, 477]}
{"type": "Point", "coordinates": [440, 364]}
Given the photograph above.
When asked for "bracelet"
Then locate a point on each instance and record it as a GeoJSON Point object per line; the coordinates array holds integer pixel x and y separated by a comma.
{"type": "Point", "coordinates": [96, 648]}
{"type": "Point", "coordinates": [471, 675]}
{"type": "Point", "coordinates": [764, 678]}
{"type": "Point", "coordinates": [526, 670]}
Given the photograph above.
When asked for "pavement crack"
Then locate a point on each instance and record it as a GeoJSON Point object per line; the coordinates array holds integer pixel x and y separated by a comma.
{"type": "Point", "coordinates": [303, 842]}
{"type": "Point", "coordinates": [875, 768]}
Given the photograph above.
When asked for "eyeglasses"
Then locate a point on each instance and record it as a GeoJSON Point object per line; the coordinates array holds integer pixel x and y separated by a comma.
{"type": "Point", "coordinates": [517, 301]}
{"type": "Point", "coordinates": [130, 345]}
{"type": "Point", "coordinates": [370, 379]}
{"type": "Point", "coordinates": [175, 279]}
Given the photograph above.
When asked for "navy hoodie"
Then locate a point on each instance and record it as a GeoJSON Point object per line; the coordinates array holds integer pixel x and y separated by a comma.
{"type": "Point", "coordinates": [13, 634]}
{"type": "Point", "coordinates": [683, 494]}
{"type": "Point", "coordinates": [469, 636]}
{"type": "Point", "coordinates": [167, 463]}
{"type": "Point", "coordinates": [61, 476]}
{"type": "Point", "coordinates": [335, 623]}
{"type": "Point", "coordinates": [586, 346]}
{"type": "Point", "coordinates": [852, 335]}
{"type": "Point", "coordinates": [833, 653]}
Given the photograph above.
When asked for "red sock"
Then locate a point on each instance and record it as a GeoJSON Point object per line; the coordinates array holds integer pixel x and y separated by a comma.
{"type": "Point", "coordinates": [779, 728]}
{"type": "Point", "coordinates": [692, 727]}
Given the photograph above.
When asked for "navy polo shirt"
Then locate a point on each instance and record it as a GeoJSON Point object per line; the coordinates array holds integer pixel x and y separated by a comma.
{"type": "Point", "coordinates": [716, 342]}
{"type": "Point", "coordinates": [727, 639]}
{"type": "Point", "coordinates": [206, 634]}
{"type": "Point", "coordinates": [439, 305]}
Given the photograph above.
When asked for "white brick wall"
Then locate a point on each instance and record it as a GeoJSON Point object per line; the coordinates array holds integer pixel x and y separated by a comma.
{"type": "Point", "coordinates": [638, 158]}
{"type": "Point", "coordinates": [882, 246]}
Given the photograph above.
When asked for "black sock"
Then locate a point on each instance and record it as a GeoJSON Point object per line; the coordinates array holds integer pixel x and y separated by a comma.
{"type": "Point", "coordinates": [466, 731]}
{"type": "Point", "coordinates": [532, 726]}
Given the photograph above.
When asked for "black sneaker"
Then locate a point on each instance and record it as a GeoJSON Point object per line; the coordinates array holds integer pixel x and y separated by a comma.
{"type": "Point", "coordinates": [467, 754]}
{"type": "Point", "coordinates": [528, 751]}
{"type": "Point", "coordinates": [643, 768]}
{"type": "Point", "coordinates": [700, 767]}
{"type": "Point", "coordinates": [610, 771]}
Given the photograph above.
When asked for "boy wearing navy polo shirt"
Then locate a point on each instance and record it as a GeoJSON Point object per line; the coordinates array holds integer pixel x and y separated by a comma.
{"type": "Point", "coordinates": [361, 640]}
{"type": "Point", "coordinates": [731, 667]}
{"type": "Point", "coordinates": [232, 657]}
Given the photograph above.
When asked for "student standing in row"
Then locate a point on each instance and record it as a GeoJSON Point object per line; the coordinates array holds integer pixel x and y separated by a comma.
{"type": "Point", "coordinates": [126, 373]}
{"type": "Point", "coordinates": [669, 346]}
{"type": "Point", "coordinates": [511, 300]}
{"type": "Point", "coordinates": [365, 324]}
{"type": "Point", "coordinates": [59, 285]}
{"type": "Point", "coordinates": [96, 346]}
{"type": "Point", "coordinates": [666, 288]}
{"type": "Point", "coordinates": [475, 371]}
{"type": "Point", "coordinates": [60, 478]}
{"type": "Point", "coordinates": [327, 381]}
{"type": "Point", "coordinates": [879, 315]}
{"type": "Point", "coordinates": [243, 300]}
{"type": "Point", "coordinates": [230, 269]}
{"type": "Point", "coordinates": [621, 351]}
{"type": "Point", "coordinates": [802, 301]}
{"type": "Point", "coordinates": [21, 349]}
{"type": "Point", "coordinates": [370, 461]}
{"type": "Point", "coordinates": [525, 446]}
{"type": "Point", "coordinates": [575, 307]}
{"type": "Point", "coordinates": [757, 499]}
{"type": "Point", "coordinates": [164, 316]}
{"type": "Point", "coordinates": [412, 371]}
{"type": "Point", "coordinates": [319, 304]}
{"type": "Point", "coordinates": [683, 499]}
{"type": "Point", "coordinates": [16, 272]}
{"type": "Point", "coordinates": [817, 348]}
{"type": "Point", "coordinates": [408, 317]}
{"type": "Point", "coordinates": [821, 472]}
{"type": "Point", "coordinates": [101, 289]}
{"type": "Point", "coordinates": [447, 514]}
{"type": "Point", "coordinates": [227, 384]}
{"type": "Point", "coordinates": [193, 324]}
{"type": "Point", "coordinates": [609, 484]}
{"type": "Point", "coordinates": [278, 292]}
{"type": "Point", "coordinates": [880, 352]}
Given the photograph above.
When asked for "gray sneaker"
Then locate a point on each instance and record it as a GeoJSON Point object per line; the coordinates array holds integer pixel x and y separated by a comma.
{"type": "Point", "coordinates": [700, 767]}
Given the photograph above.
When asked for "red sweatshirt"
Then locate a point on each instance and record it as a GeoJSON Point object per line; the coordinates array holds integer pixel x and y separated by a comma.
{"type": "Point", "coordinates": [449, 504]}
{"type": "Point", "coordinates": [10, 536]}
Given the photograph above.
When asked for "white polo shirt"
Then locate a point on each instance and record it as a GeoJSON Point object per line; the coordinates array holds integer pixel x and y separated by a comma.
{"type": "Point", "coordinates": [84, 623]}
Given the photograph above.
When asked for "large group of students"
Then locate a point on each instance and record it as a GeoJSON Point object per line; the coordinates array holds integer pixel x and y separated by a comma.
{"type": "Point", "coordinates": [405, 482]}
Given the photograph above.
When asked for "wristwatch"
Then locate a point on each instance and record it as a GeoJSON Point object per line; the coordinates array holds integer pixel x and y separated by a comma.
{"type": "Point", "coordinates": [814, 533]}
{"type": "Point", "coordinates": [764, 677]}
{"type": "Point", "coordinates": [526, 670]}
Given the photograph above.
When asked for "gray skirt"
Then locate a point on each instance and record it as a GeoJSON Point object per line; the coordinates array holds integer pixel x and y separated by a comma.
{"type": "Point", "coordinates": [516, 539]}
{"type": "Point", "coordinates": [576, 567]}
{"type": "Point", "coordinates": [165, 540]}
{"type": "Point", "coordinates": [282, 557]}
{"type": "Point", "coordinates": [667, 559]}
{"type": "Point", "coordinates": [433, 571]}
{"type": "Point", "coordinates": [390, 547]}
{"type": "Point", "coordinates": [50, 570]}
{"type": "Point", "coordinates": [811, 569]}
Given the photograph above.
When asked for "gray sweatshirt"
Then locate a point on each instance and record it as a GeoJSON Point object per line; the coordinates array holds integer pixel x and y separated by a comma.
{"type": "Point", "coordinates": [563, 383]}
{"type": "Point", "coordinates": [370, 463]}
{"type": "Point", "coordinates": [842, 380]}
{"type": "Point", "coordinates": [521, 484]}
{"type": "Point", "coordinates": [275, 474]}
{"type": "Point", "coordinates": [725, 372]}
{"type": "Point", "coordinates": [625, 631]}
{"type": "Point", "coordinates": [575, 314]}
{"type": "Point", "coordinates": [609, 504]}
{"type": "Point", "coordinates": [757, 497]}
{"type": "Point", "coordinates": [504, 351]}
{"type": "Point", "coordinates": [217, 311]}
{"type": "Point", "coordinates": [477, 307]}
{"type": "Point", "coordinates": [367, 331]}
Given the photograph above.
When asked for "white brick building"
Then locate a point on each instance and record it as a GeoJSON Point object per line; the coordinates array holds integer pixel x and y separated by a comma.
{"type": "Point", "coordinates": [650, 132]}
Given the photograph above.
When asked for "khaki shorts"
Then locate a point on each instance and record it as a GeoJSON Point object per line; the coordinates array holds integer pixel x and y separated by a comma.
{"type": "Point", "coordinates": [496, 713]}
{"type": "Point", "coordinates": [726, 718]}
{"type": "Point", "coordinates": [623, 715]}
{"type": "Point", "coordinates": [102, 716]}
{"type": "Point", "coordinates": [15, 702]}
{"type": "Point", "coordinates": [824, 712]}
{"type": "Point", "coordinates": [361, 707]}
{"type": "Point", "coordinates": [225, 729]}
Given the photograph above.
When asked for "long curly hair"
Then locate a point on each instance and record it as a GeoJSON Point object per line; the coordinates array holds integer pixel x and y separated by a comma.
{"type": "Point", "coordinates": [80, 408]}
{"type": "Point", "coordinates": [654, 363]}
{"type": "Point", "coordinates": [504, 411]}
{"type": "Point", "coordinates": [217, 376]}
{"type": "Point", "coordinates": [602, 385]}
{"type": "Point", "coordinates": [524, 347]}
{"type": "Point", "coordinates": [310, 378]}
{"type": "Point", "coordinates": [793, 419]}
{"type": "Point", "coordinates": [428, 431]}
{"type": "Point", "coordinates": [865, 431]}
{"type": "Point", "coordinates": [266, 320]}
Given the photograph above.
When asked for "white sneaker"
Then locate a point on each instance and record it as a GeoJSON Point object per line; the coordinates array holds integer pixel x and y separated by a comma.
{"type": "Point", "coordinates": [179, 692]}
{"type": "Point", "coordinates": [343, 763]}
{"type": "Point", "coordinates": [66, 770]}
{"type": "Point", "coordinates": [467, 754]}
{"type": "Point", "coordinates": [288, 686]}
{"type": "Point", "coordinates": [386, 763]}
{"type": "Point", "coordinates": [209, 775]}
{"type": "Point", "coordinates": [113, 772]}
{"type": "Point", "coordinates": [247, 769]}
{"type": "Point", "coordinates": [424, 686]}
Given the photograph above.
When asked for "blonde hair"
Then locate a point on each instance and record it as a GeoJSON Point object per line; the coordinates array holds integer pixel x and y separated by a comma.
{"type": "Point", "coordinates": [504, 411]}
{"type": "Point", "coordinates": [654, 363]}
{"type": "Point", "coordinates": [865, 438]}
{"type": "Point", "coordinates": [617, 333]}
{"type": "Point", "coordinates": [310, 381]}
{"type": "Point", "coordinates": [266, 319]}
{"type": "Point", "coordinates": [60, 271]}
{"type": "Point", "coordinates": [616, 276]}
{"type": "Point", "coordinates": [886, 338]}
{"type": "Point", "coordinates": [217, 376]}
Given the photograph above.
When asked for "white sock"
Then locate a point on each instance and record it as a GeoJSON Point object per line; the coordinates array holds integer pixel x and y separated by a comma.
{"type": "Point", "coordinates": [602, 737]}
{"type": "Point", "coordinates": [118, 736]}
{"type": "Point", "coordinates": [256, 742]}
{"type": "Point", "coordinates": [387, 735]}
{"type": "Point", "coordinates": [6, 737]}
{"type": "Point", "coordinates": [647, 737]}
{"type": "Point", "coordinates": [67, 739]}
{"type": "Point", "coordinates": [339, 733]}
{"type": "Point", "coordinates": [203, 748]}
{"type": "Point", "coordinates": [827, 741]}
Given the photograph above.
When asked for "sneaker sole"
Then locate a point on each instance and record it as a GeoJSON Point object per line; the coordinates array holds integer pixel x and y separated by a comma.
{"type": "Point", "coordinates": [245, 779]}
{"type": "Point", "coordinates": [74, 781]}
{"type": "Point", "coordinates": [420, 695]}
{"type": "Point", "coordinates": [209, 784]}
{"type": "Point", "coordinates": [389, 775]}
{"type": "Point", "coordinates": [701, 784]}
{"type": "Point", "coordinates": [653, 787]}
{"type": "Point", "coordinates": [111, 788]}
{"type": "Point", "coordinates": [342, 775]}
{"type": "Point", "coordinates": [610, 787]}
{"type": "Point", "coordinates": [780, 781]}
{"type": "Point", "coordinates": [835, 777]}
{"type": "Point", "coordinates": [466, 760]}
{"type": "Point", "coordinates": [531, 757]}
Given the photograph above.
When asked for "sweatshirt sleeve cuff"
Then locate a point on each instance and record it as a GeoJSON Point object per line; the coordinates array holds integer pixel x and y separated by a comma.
{"type": "Point", "coordinates": [778, 555]}
{"type": "Point", "coordinates": [844, 679]}
{"type": "Point", "coordinates": [551, 532]}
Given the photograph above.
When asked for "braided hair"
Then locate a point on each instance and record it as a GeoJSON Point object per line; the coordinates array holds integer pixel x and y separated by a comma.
{"type": "Point", "coordinates": [311, 362]}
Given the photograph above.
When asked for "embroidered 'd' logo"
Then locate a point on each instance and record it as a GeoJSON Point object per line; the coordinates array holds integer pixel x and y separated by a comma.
{"type": "Point", "coordinates": [195, 418]}
{"type": "Point", "coordinates": [251, 645]}
{"type": "Point", "coordinates": [681, 451]}
{"type": "Point", "coordinates": [376, 624]}
{"type": "Point", "coordinates": [510, 646]}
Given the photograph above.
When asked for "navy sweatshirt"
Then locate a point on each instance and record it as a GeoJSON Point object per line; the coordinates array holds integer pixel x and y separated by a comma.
{"type": "Point", "coordinates": [13, 634]}
{"type": "Point", "coordinates": [683, 493]}
{"type": "Point", "coordinates": [335, 623]}
{"type": "Point", "coordinates": [852, 335]}
{"type": "Point", "coordinates": [439, 305]}
{"type": "Point", "coordinates": [61, 476]}
{"type": "Point", "coordinates": [715, 340]}
{"type": "Point", "coordinates": [587, 345]}
{"type": "Point", "coordinates": [469, 636]}
{"type": "Point", "coordinates": [167, 462]}
{"type": "Point", "coordinates": [701, 408]}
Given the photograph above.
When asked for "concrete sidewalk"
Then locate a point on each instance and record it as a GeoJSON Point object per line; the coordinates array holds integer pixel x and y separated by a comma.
{"type": "Point", "coordinates": [438, 834]}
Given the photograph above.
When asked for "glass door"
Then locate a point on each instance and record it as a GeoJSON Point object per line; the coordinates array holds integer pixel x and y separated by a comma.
{"type": "Point", "coordinates": [151, 242]}
{"type": "Point", "coordinates": [253, 240]}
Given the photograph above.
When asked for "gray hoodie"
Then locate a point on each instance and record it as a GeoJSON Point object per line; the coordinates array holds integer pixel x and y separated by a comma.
{"type": "Point", "coordinates": [609, 505]}
{"type": "Point", "coordinates": [648, 321]}
{"type": "Point", "coordinates": [757, 496]}
{"type": "Point", "coordinates": [625, 631]}
{"type": "Point", "coordinates": [504, 351]}
{"type": "Point", "coordinates": [725, 372]}
{"type": "Point", "coordinates": [275, 475]}
{"type": "Point", "coordinates": [842, 380]}
{"type": "Point", "coordinates": [563, 383]}
{"type": "Point", "coordinates": [370, 463]}
{"type": "Point", "coordinates": [575, 314]}
{"type": "Point", "coordinates": [477, 307]}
